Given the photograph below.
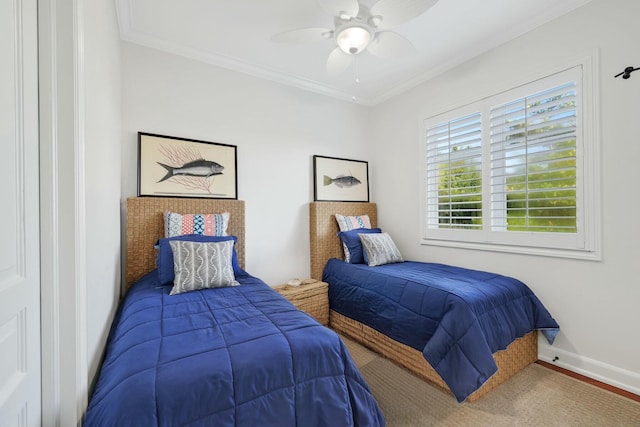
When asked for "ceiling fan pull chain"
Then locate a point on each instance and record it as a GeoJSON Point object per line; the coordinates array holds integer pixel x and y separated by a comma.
{"type": "Point", "coordinates": [355, 69]}
{"type": "Point", "coordinates": [355, 74]}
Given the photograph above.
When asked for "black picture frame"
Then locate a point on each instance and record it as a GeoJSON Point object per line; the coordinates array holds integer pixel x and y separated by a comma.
{"type": "Point", "coordinates": [340, 180]}
{"type": "Point", "coordinates": [170, 166]}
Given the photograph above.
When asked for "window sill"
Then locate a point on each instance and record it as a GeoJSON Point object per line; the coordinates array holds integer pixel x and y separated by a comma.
{"type": "Point", "coordinates": [524, 250]}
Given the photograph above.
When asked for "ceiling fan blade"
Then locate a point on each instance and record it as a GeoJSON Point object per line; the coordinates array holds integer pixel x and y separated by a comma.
{"type": "Point", "coordinates": [338, 61]}
{"type": "Point", "coordinates": [303, 35]}
{"type": "Point", "coordinates": [341, 8]}
{"type": "Point", "coordinates": [396, 12]}
{"type": "Point", "coordinates": [390, 45]}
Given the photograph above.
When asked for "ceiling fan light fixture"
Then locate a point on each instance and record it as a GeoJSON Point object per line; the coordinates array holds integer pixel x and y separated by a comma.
{"type": "Point", "coordinates": [353, 39]}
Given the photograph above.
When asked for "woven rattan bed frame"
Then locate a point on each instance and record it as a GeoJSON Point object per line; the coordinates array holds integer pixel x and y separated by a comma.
{"type": "Point", "coordinates": [145, 225]}
{"type": "Point", "coordinates": [325, 245]}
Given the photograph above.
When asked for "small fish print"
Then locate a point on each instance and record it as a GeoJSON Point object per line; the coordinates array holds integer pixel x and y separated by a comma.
{"type": "Point", "coordinates": [201, 168]}
{"type": "Point", "coordinates": [341, 181]}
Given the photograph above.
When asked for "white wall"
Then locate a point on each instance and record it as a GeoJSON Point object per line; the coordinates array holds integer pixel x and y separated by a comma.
{"type": "Point", "coordinates": [595, 303]}
{"type": "Point", "coordinates": [102, 144]}
{"type": "Point", "coordinates": [276, 128]}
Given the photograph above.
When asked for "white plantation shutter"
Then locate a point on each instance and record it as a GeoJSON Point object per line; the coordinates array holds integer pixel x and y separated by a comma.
{"type": "Point", "coordinates": [515, 171]}
{"type": "Point", "coordinates": [533, 162]}
{"type": "Point", "coordinates": [454, 173]}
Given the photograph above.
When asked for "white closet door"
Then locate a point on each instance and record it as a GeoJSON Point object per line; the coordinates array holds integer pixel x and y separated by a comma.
{"type": "Point", "coordinates": [19, 216]}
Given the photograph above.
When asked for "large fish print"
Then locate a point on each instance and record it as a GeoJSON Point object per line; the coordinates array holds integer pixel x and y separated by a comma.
{"type": "Point", "coordinates": [341, 181]}
{"type": "Point", "coordinates": [202, 168]}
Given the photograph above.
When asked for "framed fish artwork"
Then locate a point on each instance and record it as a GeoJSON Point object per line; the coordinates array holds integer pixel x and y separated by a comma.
{"type": "Point", "coordinates": [340, 180]}
{"type": "Point", "coordinates": [169, 166]}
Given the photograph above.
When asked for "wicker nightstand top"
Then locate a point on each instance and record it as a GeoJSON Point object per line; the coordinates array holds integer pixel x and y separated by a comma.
{"type": "Point", "coordinates": [312, 288]}
{"type": "Point", "coordinates": [312, 298]}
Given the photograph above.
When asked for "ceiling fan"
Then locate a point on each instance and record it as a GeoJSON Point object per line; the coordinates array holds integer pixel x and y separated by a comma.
{"type": "Point", "coordinates": [358, 28]}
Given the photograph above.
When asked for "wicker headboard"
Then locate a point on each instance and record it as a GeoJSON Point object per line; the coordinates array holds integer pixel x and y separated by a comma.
{"type": "Point", "coordinates": [323, 230]}
{"type": "Point", "coordinates": [145, 225]}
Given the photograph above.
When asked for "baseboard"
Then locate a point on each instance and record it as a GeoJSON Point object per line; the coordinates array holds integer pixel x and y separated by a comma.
{"type": "Point", "coordinates": [591, 381]}
{"type": "Point", "coordinates": [619, 378]}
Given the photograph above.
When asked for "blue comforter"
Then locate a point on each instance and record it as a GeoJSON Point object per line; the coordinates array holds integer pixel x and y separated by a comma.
{"type": "Point", "coordinates": [456, 317]}
{"type": "Point", "coordinates": [236, 356]}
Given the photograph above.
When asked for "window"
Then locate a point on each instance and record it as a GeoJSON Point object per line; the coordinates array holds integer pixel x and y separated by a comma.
{"type": "Point", "coordinates": [454, 173]}
{"type": "Point", "coordinates": [508, 171]}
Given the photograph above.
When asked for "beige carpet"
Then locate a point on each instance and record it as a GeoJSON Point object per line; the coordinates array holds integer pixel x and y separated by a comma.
{"type": "Point", "coordinates": [537, 396]}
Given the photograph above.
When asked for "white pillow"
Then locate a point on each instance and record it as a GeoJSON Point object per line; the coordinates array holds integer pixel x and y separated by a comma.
{"type": "Point", "coordinates": [201, 265]}
{"type": "Point", "coordinates": [379, 249]}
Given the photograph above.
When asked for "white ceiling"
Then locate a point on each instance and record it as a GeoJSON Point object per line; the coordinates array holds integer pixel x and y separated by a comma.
{"type": "Point", "coordinates": [236, 34]}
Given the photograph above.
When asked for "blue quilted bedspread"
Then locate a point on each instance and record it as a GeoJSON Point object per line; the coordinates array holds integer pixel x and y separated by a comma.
{"type": "Point", "coordinates": [456, 317]}
{"type": "Point", "coordinates": [236, 356]}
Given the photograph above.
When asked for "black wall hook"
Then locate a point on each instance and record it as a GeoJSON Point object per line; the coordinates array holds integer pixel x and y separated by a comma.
{"type": "Point", "coordinates": [626, 73]}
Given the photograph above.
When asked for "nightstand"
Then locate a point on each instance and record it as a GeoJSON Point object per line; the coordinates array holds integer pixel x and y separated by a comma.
{"type": "Point", "coordinates": [312, 298]}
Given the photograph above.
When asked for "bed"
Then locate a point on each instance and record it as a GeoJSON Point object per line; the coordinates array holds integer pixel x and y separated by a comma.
{"type": "Point", "coordinates": [459, 312]}
{"type": "Point", "coordinates": [227, 356]}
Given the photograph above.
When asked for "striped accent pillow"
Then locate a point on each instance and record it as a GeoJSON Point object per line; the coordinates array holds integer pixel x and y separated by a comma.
{"type": "Point", "coordinates": [379, 249]}
{"type": "Point", "coordinates": [199, 265]}
{"type": "Point", "coordinates": [348, 223]}
{"type": "Point", "coordinates": [176, 224]}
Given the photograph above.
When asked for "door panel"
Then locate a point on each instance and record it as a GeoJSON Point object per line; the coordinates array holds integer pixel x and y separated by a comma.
{"type": "Point", "coordinates": [19, 216]}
